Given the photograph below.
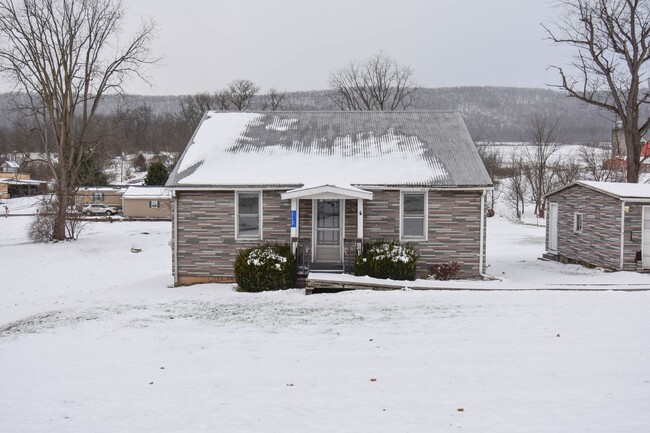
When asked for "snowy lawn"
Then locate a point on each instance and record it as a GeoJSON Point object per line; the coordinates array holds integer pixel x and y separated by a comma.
{"type": "Point", "coordinates": [93, 338]}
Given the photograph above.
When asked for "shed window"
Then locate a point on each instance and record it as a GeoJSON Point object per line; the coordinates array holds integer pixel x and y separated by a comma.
{"type": "Point", "coordinates": [248, 215]}
{"type": "Point", "coordinates": [154, 204]}
{"type": "Point", "coordinates": [98, 196]}
{"type": "Point", "coordinates": [578, 220]}
{"type": "Point", "coordinates": [414, 215]}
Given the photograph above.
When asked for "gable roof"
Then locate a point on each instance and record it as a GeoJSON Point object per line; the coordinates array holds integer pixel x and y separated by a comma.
{"type": "Point", "coordinates": [414, 148]}
{"type": "Point", "coordinates": [615, 189]}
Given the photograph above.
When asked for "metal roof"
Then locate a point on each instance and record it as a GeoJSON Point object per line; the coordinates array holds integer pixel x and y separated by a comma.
{"type": "Point", "coordinates": [371, 148]}
{"type": "Point", "coordinates": [615, 189]}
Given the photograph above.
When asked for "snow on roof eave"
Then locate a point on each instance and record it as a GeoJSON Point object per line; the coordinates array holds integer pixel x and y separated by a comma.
{"type": "Point", "coordinates": [328, 191]}
{"type": "Point", "coordinates": [592, 185]}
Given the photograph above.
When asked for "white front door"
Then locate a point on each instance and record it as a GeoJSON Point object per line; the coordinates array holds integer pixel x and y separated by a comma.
{"type": "Point", "coordinates": [645, 238]}
{"type": "Point", "coordinates": [327, 245]}
{"type": "Point", "coordinates": [552, 228]}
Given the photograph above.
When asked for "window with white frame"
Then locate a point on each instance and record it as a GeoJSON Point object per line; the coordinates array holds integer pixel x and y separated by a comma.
{"type": "Point", "coordinates": [154, 204]}
{"type": "Point", "coordinates": [98, 196]}
{"type": "Point", "coordinates": [248, 214]}
{"type": "Point", "coordinates": [578, 221]}
{"type": "Point", "coordinates": [414, 216]}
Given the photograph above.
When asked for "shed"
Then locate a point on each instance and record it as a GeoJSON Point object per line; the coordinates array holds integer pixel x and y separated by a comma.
{"type": "Point", "coordinates": [604, 224]}
{"type": "Point", "coordinates": [147, 202]}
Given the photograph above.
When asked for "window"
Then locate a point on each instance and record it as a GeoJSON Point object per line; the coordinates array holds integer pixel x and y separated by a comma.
{"type": "Point", "coordinates": [414, 216]}
{"type": "Point", "coordinates": [154, 204]}
{"type": "Point", "coordinates": [578, 220]}
{"type": "Point", "coordinates": [98, 196]}
{"type": "Point", "coordinates": [248, 215]}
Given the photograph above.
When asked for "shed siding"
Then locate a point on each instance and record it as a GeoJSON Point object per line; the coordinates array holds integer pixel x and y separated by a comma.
{"type": "Point", "coordinates": [599, 243]}
{"type": "Point", "coordinates": [139, 208]}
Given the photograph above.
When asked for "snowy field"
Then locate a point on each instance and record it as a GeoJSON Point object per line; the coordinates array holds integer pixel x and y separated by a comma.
{"type": "Point", "coordinates": [93, 338]}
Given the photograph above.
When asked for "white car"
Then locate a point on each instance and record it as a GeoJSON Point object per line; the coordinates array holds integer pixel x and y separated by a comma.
{"type": "Point", "coordinates": [98, 209]}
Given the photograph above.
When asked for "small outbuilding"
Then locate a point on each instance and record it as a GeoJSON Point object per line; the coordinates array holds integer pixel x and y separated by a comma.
{"type": "Point", "coordinates": [147, 202]}
{"type": "Point", "coordinates": [602, 224]}
{"type": "Point", "coordinates": [325, 183]}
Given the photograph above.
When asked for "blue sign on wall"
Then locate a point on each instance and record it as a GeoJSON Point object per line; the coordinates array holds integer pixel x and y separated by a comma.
{"type": "Point", "coordinates": [294, 218]}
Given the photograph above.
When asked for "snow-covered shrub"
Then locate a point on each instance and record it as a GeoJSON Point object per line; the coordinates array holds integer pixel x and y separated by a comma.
{"type": "Point", "coordinates": [266, 267]}
{"type": "Point", "coordinates": [445, 271]}
{"type": "Point", "coordinates": [383, 259]}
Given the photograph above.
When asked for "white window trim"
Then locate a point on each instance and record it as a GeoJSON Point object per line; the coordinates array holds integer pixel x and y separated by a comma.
{"type": "Point", "coordinates": [151, 204]}
{"type": "Point", "coordinates": [261, 217]}
{"type": "Point", "coordinates": [575, 222]}
{"type": "Point", "coordinates": [402, 238]}
{"type": "Point", "coordinates": [97, 196]}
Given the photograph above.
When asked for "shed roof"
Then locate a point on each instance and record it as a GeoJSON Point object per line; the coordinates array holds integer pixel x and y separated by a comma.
{"type": "Point", "coordinates": [146, 192]}
{"type": "Point", "coordinates": [418, 148]}
{"type": "Point", "coordinates": [616, 189]}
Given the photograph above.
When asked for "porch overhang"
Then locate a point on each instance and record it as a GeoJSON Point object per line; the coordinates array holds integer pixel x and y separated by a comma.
{"type": "Point", "coordinates": [327, 192]}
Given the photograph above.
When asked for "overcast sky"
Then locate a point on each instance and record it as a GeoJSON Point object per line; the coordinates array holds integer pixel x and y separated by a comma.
{"type": "Point", "coordinates": [295, 44]}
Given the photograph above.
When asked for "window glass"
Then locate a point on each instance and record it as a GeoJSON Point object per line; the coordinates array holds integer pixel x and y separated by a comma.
{"type": "Point", "coordinates": [577, 222]}
{"type": "Point", "coordinates": [248, 224]}
{"type": "Point", "coordinates": [153, 204]}
{"type": "Point", "coordinates": [414, 204]}
{"type": "Point", "coordinates": [413, 215]}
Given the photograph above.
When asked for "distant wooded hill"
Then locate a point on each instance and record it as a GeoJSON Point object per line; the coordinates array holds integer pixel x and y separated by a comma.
{"type": "Point", "coordinates": [495, 114]}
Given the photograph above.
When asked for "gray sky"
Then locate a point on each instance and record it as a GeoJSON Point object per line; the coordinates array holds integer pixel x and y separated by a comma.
{"type": "Point", "coordinates": [295, 44]}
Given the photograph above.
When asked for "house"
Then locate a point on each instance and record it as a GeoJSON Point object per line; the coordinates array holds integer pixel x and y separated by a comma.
{"type": "Point", "coordinates": [108, 195]}
{"type": "Point", "coordinates": [147, 202]}
{"type": "Point", "coordinates": [325, 182]}
{"type": "Point", "coordinates": [14, 184]}
{"type": "Point", "coordinates": [603, 224]}
{"type": "Point", "coordinates": [9, 167]}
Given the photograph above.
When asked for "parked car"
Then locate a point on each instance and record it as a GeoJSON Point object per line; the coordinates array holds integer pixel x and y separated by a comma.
{"type": "Point", "coordinates": [98, 209]}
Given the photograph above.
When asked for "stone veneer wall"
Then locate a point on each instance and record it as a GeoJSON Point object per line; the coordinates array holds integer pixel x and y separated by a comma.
{"type": "Point", "coordinates": [599, 244]}
{"type": "Point", "coordinates": [206, 229]}
{"type": "Point", "coordinates": [207, 247]}
{"type": "Point", "coordinates": [453, 232]}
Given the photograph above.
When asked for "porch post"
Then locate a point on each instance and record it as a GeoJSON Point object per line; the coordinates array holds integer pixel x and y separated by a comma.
{"type": "Point", "coordinates": [359, 225]}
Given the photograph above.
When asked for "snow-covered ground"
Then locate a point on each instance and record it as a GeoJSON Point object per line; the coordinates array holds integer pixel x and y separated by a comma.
{"type": "Point", "coordinates": [94, 338]}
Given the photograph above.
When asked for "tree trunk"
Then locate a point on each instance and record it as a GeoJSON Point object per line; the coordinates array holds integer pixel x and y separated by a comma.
{"type": "Point", "coordinates": [632, 143]}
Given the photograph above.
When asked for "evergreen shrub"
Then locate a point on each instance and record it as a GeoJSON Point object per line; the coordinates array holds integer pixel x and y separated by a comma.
{"type": "Point", "coordinates": [387, 259]}
{"type": "Point", "coordinates": [265, 267]}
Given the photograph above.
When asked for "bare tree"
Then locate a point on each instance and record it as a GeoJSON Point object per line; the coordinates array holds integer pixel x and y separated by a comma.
{"type": "Point", "coordinates": [542, 141]}
{"type": "Point", "coordinates": [193, 107]}
{"type": "Point", "coordinates": [493, 161]}
{"type": "Point", "coordinates": [611, 39]}
{"type": "Point", "coordinates": [379, 83]}
{"type": "Point", "coordinates": [222, 99]}
{"type": "Point", "coordinates": [64, 55]}
{"type": "Point", "coordinates": [516, 186]}
{"type": "Point", "coordinates": [272, 100]}
{"type": "Point", "coordinates": [597, 165]}
{"type": "Point", "coordinates": [241, 93]}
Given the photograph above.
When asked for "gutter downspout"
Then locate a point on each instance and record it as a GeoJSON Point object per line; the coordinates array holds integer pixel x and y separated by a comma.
{"type": "Point", "coordinates": [175, 235]}
{"type": "Point", "coordinates": [622, 233]}
{"type": "Point", "coordinates": [481, 272]}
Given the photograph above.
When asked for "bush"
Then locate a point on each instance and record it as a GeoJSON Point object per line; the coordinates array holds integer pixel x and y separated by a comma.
{"type": "Point", "coordinates": [266, 267]}
{"type": "Point", "coordinates": [445, 271]}
{"type": "Point", "coordinates": [383, 259]}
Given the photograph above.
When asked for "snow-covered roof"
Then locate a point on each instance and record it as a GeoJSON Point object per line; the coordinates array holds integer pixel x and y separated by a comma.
{"type": "Point", "coordinates": [11, 164]}
{"type": "Point", "coordinates": [147, 192]}
{"type": "Point", "coordinates": [118, 189]}
{"type": "Point", "coordinates": [418, 148]}
{"type": "Point", "coordinates": [616, 189]}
